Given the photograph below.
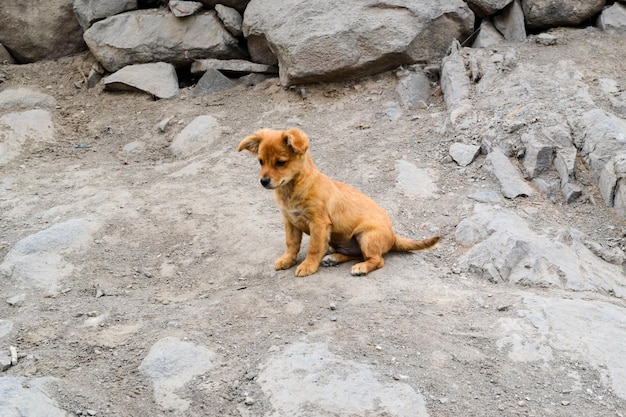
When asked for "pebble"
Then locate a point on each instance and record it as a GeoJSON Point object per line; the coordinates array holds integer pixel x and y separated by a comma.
{"type": "Point", "coordinates": [249, 401]}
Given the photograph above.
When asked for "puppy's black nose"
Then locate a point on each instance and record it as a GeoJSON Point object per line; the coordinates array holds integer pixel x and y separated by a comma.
{"type": "Point", "coordinates": [265, 182]}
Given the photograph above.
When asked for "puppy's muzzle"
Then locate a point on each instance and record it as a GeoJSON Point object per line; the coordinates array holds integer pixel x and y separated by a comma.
{"type": "Point", "coordinates": [266, 182]}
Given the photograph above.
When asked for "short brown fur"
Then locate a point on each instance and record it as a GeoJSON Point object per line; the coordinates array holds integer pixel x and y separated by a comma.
{"type": "Point", "coordinates": [338, 218]}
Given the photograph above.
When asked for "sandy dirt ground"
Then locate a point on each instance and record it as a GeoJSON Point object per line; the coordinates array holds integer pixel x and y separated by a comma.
{"type": "Point", "coordinates": [184, 247]}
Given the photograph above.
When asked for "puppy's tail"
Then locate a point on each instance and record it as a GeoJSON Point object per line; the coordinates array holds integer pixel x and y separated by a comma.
{"type": "Point", "coordinates": [403, 244]}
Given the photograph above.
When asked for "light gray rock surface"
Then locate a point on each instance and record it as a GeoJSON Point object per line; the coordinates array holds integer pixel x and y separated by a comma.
{"type": "Point", "coordinates": [157, 78]}
{"type": "Point", "coordinates": [510, 22]}
{"type": "Point", "coordinates": [231, 19]}
{"type": "Point", "coordinates": [613, 18]}
{"type": "Point", "coordinates": [25, 98]}
{"type": "Point", "coordinates": [509, 177]}
{"type": "Point", "coordinates": [144, 36]}
{"type": "Point", "coordinates": [20, 128]}
{"type": "Point", "coordinates": [212, 81]}
{"type": "Point", "coordinates": [89, 11]}
{"type": "Point", "coordinates": [198, 134]}
{"type": "Point", "coordinates": [541, 14]}
{"type": "Point", "coordinates": [324, 40]}
{"type": "Point", "coordinates": [30, 397]}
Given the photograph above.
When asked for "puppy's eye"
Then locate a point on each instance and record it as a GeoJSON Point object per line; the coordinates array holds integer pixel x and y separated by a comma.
{"type": "Point", "coordinates": [280, 164]}
{"type": "Point", "coordinates": [261, 161]}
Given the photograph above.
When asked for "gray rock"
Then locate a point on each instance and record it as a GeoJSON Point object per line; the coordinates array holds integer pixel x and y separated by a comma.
{"type": "Point", "coordinates": [231, 19]}
{"type": "Point", "coordinates": [172, 363]}
{"type": "Point", "coordinates": [40, 30]}
{"type": "Point", "coordinates": [25, 98]}
{"type": "Point", "coordinates": [5, 326]}
{"type": "Point", "coordinates": [538, 155]}
{"type": "Point", "coordinates": [547, 325]}
{"type": "Point", "coordinates": [613, 18]}
{"type": "Point", "coordinates": [542, 14]}
{"type": "Point", "coordinates": [37, 261]}
{"type": "Point", "coordinates": [308, 379]}
{"type": "Point", "coordinates": [16, 129]}
{"type": "Point", "coordinates": [600, 138]}
{"type": "Point", "coordinates": [5, 56]}
{"type": "Point", "coordinates": [571, 192]}
{"type": "Point", "coordinates": [548, 184]}
{"type": "Point", "coordinates": [413, 88]}
{"type": "Point", "coordinates": [328, 40]}
{"type": "Point", "coordinates": [510, 22]}
{"type": "Point", "coordinates": [415, 182]}
{"type": "Point", "coordinates": [484, 8]}
{"type": "Point", "coordinates": [21, 396]}
{"type": "Point", "coordinates": [546, 39]}
{"type": "Point", "coordinates": [564, 162]}
{"type": "Point", "coordinates": [511, 183]}
{"type": "Point", "coordinates": [196, 136]}
{"type": "Point", "coordinates": [158, 79]}
{"type": "Point", "coordinates": [212, 82]}
{"type": "Point", "coordinates": [144, 36]}
{"type": "Point", "coordinates": [486, 197]}
{"type": "Point", "coordinates": [501, 238]}
{"type": "Point", "coordinates": [464, 154]}
{"type": "Point", "coordinates": [455, 83]}
{"type": "Point", "coordinates": [89, 11]}
{"type": "Point", "coordinates": [182, 8]}
{"type": "Point", "coordinates": [487, 36]}
{"type": "Point", "coordinates": [231, 66]}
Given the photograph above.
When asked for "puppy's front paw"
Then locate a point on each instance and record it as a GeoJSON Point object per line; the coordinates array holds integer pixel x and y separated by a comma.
{"type": "Point", "coordinates": [305, 269]}
{"type": "Point", "coordinates": [359, 270]}
{"type": "Point", "coordinates": [284, 262]}
{"type": "Point", "coordinates": [329, 260]}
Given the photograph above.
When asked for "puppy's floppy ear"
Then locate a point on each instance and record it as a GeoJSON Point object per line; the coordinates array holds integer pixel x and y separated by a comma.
{"type": "Point", "coordinates": [297, 140]}
{"type": "Point", "coordinates": [250, 143]}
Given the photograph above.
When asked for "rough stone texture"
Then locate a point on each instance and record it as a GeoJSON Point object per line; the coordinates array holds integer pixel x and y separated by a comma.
{"type": "Point", "coordinates": [601, 139]}
{"type": "Point", "coordinates": [21, 396]}
{"type": "Point", "coordinates": [485, 8]}
{"type": "Point", "coordinates": [158, 36]}
{"type": "Point", "coordinates": [89, 11]}
{"type": "Point", "coordinates": [538, 155]}
{"type": "Point", "coordinates": [510, 22]}
{"type": "Point", "coordinates": [5, 56]}
{"type": "Point", "coordinates": [455, 82]}
{"type": "Point", "coordinates": [57, 31]}
{"type": "Point", "coordinates": [464, 154]}
{"type": "Point", "coordinates": [414, 89]}
{"type": "Point", "coordinates": [231, 19]}
{"type": "Point", "coordinates": [505, 248]}
{"type": "Point", "coordinates": [307, 379]}
{"type": "Point", "coordinates": [323, 40]}
{"type": "Point", "coordinates": [24, 98]}
{"type": "Point", "coordinates": [613, 18]}
{"type": "Point", "coordinates": [181, 8]}
{"type": "Point", "coordinates": [511, 183]}
{"type": "Point", "coordinates": [212, 82]}
{"type": "Point", "coordinates": [487, 36]}
{"type": "Point", "coordinates": [234, 66]}
{"type": "Point", "coordinates": [157, 78]}
{"type": "Point", "coordinates": [38, 260]}
{"type": "Point", "coordinates": [196, 136]}
{"type": "Point", "coordinates": [541, 14]}
{"type": "Point", "coordinates": [170, 364]}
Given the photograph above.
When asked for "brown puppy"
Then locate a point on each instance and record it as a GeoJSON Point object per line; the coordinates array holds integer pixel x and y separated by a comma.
{"type": "Point", "coordinates": [337, 217]}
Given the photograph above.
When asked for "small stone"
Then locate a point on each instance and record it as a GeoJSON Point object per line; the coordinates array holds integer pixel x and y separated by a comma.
{"type": "Point", "coordinates": [378, 347]}
{"type": "Point", "coordinates": [333, 318]}
{"type": "Point", "coordinates": [249, 401]}
{"type": "Point", "coordinates": [565, 403]}
{"type": "Point", "coordinates": [333, 306]}
{"type": "Point", "coordinates": [546, 39]}
{"type": "Point", "coordinates": [16, 300]}
{"type": "Point", "coordinates": [13, 351]}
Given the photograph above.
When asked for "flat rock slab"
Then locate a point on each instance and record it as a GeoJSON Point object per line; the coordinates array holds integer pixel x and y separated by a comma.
{"type": "Point", "coordinates": [25, 98]}
{"type": "Point", "coordinates": [158, 79]}
{"type": "Point", "coordinates": [308, 379]}
{"type": "Point", "coordinates": [28, 397]}
{"type": "Point", "coordinates": [170, 364]}
{"type": "Point", "coordinates": [235, 66]}
{"type": "Point", "coordinates": [590, 331]}
{"type": "Point", "coordinates": [415, 182]}
{"type": "Point", "coordinates": [505, 248]}
{"type": "Point", "coordinates": [38, 260]}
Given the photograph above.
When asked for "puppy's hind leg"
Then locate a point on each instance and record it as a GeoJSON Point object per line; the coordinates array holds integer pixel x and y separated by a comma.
{"type": "Point", "coordinates": [334, 259]}
{"type": "Point", "coordinates": [372, 247]}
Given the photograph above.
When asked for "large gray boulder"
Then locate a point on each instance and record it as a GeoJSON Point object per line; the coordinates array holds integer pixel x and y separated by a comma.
{"type": "Point", "coordinates": [144, 36]}
{"type": "Point", "coordinates": [39, 30]}
{"type": "Point", "coordinates": [240, 5]}
{"type": "Point", "coordinates": [329, 40]}
{"type": "Point", "coordinates": [89, 11]}
{"type": "Point", "coordinates": [542, 14]}
{"type": "Point", "coordinates": [487, 7]}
